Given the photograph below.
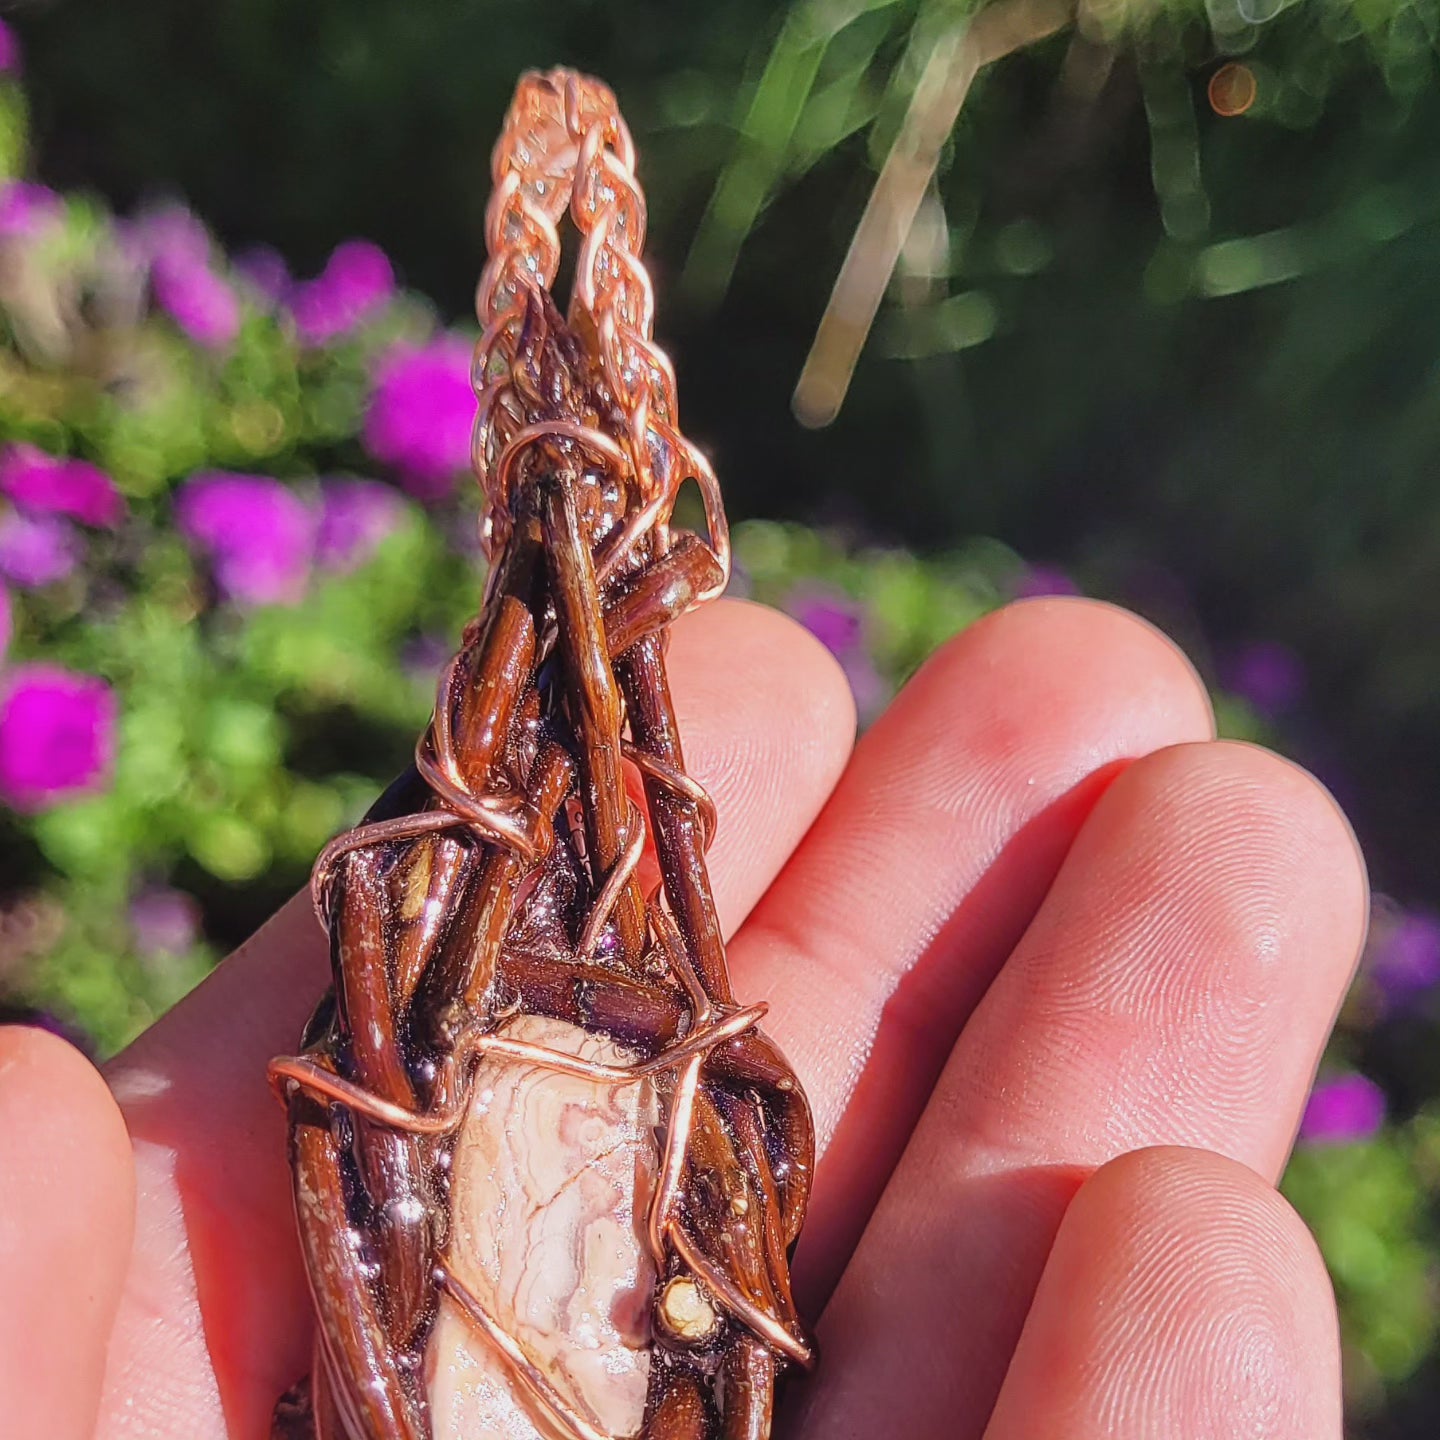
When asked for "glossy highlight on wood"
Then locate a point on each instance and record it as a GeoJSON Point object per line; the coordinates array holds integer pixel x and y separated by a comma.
{"type": "Point", "coordinates": [487, 916]}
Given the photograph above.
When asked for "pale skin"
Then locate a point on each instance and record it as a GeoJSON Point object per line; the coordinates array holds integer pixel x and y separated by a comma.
{"type": "Point", "coordinates": [1054, 965]}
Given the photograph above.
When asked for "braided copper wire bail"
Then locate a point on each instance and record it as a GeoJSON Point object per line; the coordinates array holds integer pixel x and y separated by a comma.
{"type": "Point", "coordinates": [565, 146]}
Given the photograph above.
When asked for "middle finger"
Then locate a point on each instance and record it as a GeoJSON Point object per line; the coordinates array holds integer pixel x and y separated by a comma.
{"type": "Point", "coordinates": [883, 931]}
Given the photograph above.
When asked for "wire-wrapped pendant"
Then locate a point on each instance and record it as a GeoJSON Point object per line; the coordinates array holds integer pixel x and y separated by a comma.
{"type": "Point", "coordinates": [547, 1171]}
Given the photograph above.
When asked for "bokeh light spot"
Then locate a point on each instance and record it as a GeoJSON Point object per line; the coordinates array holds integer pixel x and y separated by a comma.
{"type": "Point", "coordinates": [1232, 89]}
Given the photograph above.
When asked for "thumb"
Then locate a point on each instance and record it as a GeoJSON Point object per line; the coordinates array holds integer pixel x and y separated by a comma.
{"type": "Point", "coordinates": [67, 1206]}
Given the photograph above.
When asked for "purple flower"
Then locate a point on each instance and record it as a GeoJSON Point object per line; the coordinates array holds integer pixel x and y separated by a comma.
{"type": "Point", "coordinates": [838, 622]}
{"type": "Point", "coordinates": [172, 233]}
{"type": "Point", "coordinates": [355, 516]}
{"type": "Point", "coordinates": [176, 247]}
{"type": "Point", "coordinates": [1267, 674]}
{"type": "Point", "coordinates": [421, 414]}
{"type": "Point", "coordinates": [834, 620]}
{"type": "Point", "coordinates": [1038, 580]}
{"type": "Point", "coordinates": [1403, 952]}
{"type": "Point", "coordinates": [164, 921]}
{"type": "Point", "coordinates": [9, 50]}
{"type": "Point", "coordinates": [27, 209]}
{"type": "Point", "coordinates": [422, 657]}
{"type": "Point", "coordinates": [198, 300]}
{"type": "Point", "coordinates": [356, 282]}
{"type": "Point", "coordinates": [258, 534]}
{"type": "Point", "coordinates": [57, 735]}
{"type": "Point", "coordinates": [36, 550]}
{"type": "Point", "coordinates": [44, 484]}
{"type": "Point", "coordinates": [867, 685]}
{"type": "Point", "coordinates": [264, 269]}
{"type": "Point", "coordinates": [1343, 1110]}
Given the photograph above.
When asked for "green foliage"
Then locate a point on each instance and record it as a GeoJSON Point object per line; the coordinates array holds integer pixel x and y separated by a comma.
{"type": "Point", "coordinates": [911, 605]}
{"type": "Point", "coordinates": [232, 759]}
{"type": "Point", "coordinates": [1371, 1207]}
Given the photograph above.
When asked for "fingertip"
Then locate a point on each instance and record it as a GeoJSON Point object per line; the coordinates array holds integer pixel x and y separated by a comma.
{"type": "Point", "coordinates": [65, 1232]}
{"type": "Point", "coordinates": [49, 1090]}
{"type": "Point", "coordinates": [1303, 867]}
{"type": "Point", "coordinates": [1207, 1243]}
{"type": "Point", "coordinates": [767, 720]}
{"type": "Point", "coordinates": [1153, 1192]}
{"type": "Point", "coordinates": [1325, 839]}
{"type": "Point", "coordinates": [1097, 649]}
{"type": "Point", "coordinates": [1182, 1296]}
{"type": "Point", "coordinates": [716, 651]}
{"type": "Point", "coordinates": [1048, 691]}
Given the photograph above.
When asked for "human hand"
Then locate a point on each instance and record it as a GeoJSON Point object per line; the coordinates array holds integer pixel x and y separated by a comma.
{"type": "Point", "coordinates": [1042, 924]}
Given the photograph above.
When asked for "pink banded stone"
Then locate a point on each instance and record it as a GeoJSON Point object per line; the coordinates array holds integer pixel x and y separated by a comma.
{"type": "Point", "coordinates": [551, 1178]}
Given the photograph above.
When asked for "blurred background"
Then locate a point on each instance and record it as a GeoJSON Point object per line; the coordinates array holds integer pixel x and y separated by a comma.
{"type": "Point", "coordinates": [1165, 329]}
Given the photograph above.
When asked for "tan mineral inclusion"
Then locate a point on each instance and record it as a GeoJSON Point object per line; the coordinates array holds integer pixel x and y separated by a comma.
{"type": "Point", "coordinates": [686, 1311]}
{"type": "Point", "coordinates": [551, 1178]}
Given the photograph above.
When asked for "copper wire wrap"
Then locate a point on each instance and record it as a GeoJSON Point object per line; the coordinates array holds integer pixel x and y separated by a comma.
{"type": "Point", "coordinates": [519, 792]}
{"type": "Point", "coordinates": [565, 145]}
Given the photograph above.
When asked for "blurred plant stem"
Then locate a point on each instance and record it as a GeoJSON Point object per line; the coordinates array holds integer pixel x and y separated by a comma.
{"type": "Point", "coordinates": [960, 54]}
